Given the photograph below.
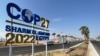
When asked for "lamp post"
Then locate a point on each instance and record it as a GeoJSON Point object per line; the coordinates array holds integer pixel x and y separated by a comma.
{"type": "Point", "coordinates": [63, 41]}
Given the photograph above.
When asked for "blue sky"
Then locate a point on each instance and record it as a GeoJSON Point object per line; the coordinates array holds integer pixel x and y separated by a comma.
{"type": "Point", "coordinates": [65, 16]}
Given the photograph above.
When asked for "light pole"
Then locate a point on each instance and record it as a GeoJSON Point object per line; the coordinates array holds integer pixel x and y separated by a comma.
{"type": "Point", "coordinates": [62, 36]}
{"type": "Point", "coordinates": [63, 41]}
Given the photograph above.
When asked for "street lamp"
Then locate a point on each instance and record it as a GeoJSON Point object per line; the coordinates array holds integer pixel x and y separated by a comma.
{"type": "Point", "coordinates": [63, 41]}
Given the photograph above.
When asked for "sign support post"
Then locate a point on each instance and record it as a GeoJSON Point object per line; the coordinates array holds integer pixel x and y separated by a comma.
{"type": "Point", "coordinates": [33, 45]}
{"type": "Point", "coordinates": [46, 46]}
{"type": "Point", "coordinates": [10, 47]}
{"type": "Point", "coordinates": [10, 50]}
{"type": "Point", "coordinates": [32, 49]}
{"type": "Point", "coordinates": [46, 49]}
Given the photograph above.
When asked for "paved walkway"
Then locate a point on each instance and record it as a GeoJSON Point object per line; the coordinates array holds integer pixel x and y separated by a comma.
{"type": "Point", "coordinates": [91, 50]}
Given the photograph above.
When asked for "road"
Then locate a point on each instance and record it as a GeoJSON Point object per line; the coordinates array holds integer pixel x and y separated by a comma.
{"type": "Point", "coordinates": [96, 45]}
{"type": "Point", "coordinates": [27, 49]}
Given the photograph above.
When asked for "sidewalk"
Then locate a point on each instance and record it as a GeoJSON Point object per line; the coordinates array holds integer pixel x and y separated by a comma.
{"type": "Point", "coordinates": [91, 50]}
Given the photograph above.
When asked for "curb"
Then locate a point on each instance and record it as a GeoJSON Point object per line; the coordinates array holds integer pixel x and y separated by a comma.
{"type": "Point", "coordinates": [91, 50]}
{"type": "Point", "coordinates": [76, 45]}
{"type": "Point", "coordinates": [67, 48]}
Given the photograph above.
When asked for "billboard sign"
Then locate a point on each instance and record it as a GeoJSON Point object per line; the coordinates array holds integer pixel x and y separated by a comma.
{"type": "Point", "coordinates": [25, 17]}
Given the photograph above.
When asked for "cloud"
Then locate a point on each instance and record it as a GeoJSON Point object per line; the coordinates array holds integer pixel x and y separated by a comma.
{"type": "Point", "coordinates": [56, 20]}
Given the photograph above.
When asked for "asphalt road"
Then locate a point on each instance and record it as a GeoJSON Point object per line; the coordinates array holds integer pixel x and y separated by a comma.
{"type": "Point", "coordinates": [96, 45]}
{"type": "Point", "coordinates": [28, 49]}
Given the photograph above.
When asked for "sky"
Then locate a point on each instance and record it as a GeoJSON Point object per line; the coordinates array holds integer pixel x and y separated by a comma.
{"type": "Point", "coordinates": [65, 16]}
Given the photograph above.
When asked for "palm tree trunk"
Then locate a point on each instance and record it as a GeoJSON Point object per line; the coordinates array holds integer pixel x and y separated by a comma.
{"type": "Point", "coordinates": [86, 39]}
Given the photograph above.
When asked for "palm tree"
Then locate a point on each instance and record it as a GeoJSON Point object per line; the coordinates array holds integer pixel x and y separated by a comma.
{"type": "Point", "coordinates": [58, 35]}
{"type": "Point", "coordinates": [85, 32]}
{"type": "Point", "coordinates": [54, 34]}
